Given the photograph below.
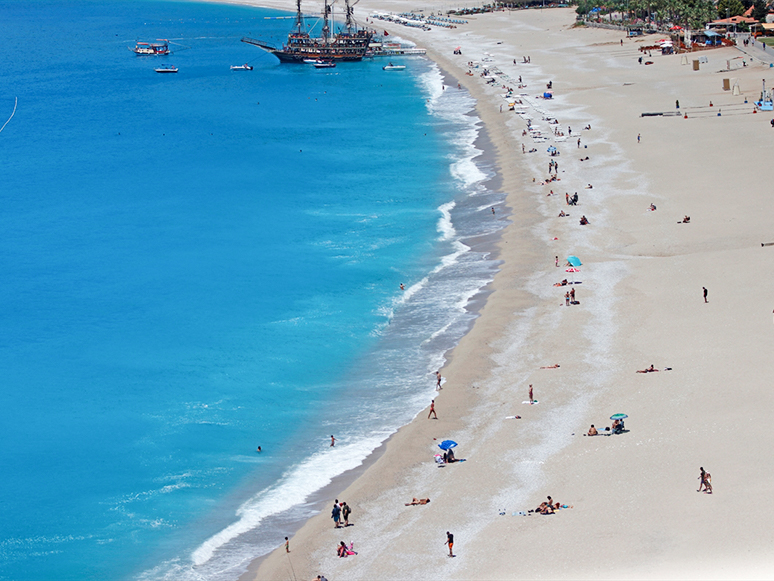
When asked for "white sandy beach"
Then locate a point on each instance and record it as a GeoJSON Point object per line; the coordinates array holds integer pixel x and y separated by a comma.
{"type": "Point", "coordinates": [635, 512]}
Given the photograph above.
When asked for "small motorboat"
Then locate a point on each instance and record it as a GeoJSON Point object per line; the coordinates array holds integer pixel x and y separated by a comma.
{"type": "Point", "coordinates": [392, 67]}
{"type": "Point", "coordinates": [151, 48]}
{"type": "Point", "coordinates": [244, 67]}
{"type": "Point", "coordinates": [166, 69]}
{"type": "Point", "coordinates": [310, 61]}
{"type": "Point", "coordinates": [321, 64]}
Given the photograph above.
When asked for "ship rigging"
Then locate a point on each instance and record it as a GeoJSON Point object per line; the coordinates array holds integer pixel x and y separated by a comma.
{"type": "Point", "coordinates": [349, 44]}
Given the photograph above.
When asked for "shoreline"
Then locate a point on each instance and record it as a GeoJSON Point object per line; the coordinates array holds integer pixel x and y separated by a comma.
{"type": "Point", "coordinates": [635, 510]}
{"type": "Point", "coordinates": [491, 148]}
{"type": "Point", "coordinates": [486, 243]}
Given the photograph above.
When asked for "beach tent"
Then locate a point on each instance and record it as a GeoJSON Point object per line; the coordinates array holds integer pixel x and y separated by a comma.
{"type": "Point", "coordinates": [574, 260]}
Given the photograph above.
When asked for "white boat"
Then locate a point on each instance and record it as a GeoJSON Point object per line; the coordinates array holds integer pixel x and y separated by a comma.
{"type": "Point", "coordinates": [392, 67]}
{"type": "Point", "coordinates": [166, 69]}
{"type": "Point", "coordinates": [151, 48]}
{"type": "Point", "coordinates": [244, 67]}
{"type": "Point", "coordinates": [320, 64]}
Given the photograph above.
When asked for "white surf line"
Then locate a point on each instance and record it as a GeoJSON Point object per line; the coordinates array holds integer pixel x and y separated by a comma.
{"type": "Point", "coordinates": [16, 102]}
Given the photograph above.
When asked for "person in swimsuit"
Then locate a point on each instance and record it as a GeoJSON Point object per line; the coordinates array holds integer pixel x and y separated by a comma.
{"type": "Point", "coordinates": [438, 381]}
{"type": "Point", "coordinates": [450, 542]}
{"type": "Point", "coordinates": [531, 398]}
{"type": "Point", "coordinates": [432, 411]}
{"type": "Point", "coordinates": [593, 431]}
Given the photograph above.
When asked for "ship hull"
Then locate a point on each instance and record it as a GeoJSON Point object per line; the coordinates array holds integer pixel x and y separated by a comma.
{"type": "Point", "coordinates": [299, 58]}
{"type": "Point", "coordinates": [342, 48]}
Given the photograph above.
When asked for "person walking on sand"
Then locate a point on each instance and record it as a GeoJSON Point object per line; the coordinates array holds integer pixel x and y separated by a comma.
{"type": "Point", "coordinates": [556, 261]}
{"type": "Point", "coordinates": [438, 381]}
{"type": "Point", "coordinates": [432, 411]}
{"type": "Point", "coordinates": [567, 299]}
{"type": "Point", "coordinates": [450, 542]}
{"type": "Point", "coordinates": [531, 396]}
{"type": "Point", "coordinates": [572, 295]}
{"type": "Point", "coordinates": [638, 138]}
{"type": "Point", "coordinates": [345, 512]}
{"type": "Point", "coordinates": [705, 294]}
{"type": "Point", "coordinates": [287, 545]}
{"type": "Point", "coordinates": [333, 441]}
{"type": "Point", "coordinates": [705, 481]}
{"type": "Point", "coordinates": [336, 513]}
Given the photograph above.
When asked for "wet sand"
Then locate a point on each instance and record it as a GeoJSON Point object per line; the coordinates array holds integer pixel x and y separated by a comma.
{"type": "Point", "coordinates": [636, 512]}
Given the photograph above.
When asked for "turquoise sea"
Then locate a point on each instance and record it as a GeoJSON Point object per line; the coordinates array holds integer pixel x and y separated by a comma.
{"type": "Point", "coordinates": [199, 263]}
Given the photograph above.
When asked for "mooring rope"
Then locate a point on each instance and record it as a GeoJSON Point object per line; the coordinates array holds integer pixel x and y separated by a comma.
{"type": "Point", "coordinates": [16, 102]}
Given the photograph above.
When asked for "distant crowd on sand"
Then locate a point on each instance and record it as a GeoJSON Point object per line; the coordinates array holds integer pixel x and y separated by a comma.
{"type": "Point", "coordinates": [341, 511]}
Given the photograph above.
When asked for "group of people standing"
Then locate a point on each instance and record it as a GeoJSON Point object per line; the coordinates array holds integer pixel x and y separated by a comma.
{"type": "Point", "coordinates": [341, 511]}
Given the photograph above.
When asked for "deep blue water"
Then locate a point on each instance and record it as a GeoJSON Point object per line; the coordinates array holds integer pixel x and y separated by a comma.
{"type": "Point", "coordinates": [196, 264]}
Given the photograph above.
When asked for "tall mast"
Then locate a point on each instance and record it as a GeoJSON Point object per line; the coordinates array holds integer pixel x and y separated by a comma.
{"type": "Point", "coordinates": [299, 18]}
{"type": "Point", "coordinates": [349, 16]}
{"type": "Point", "coordinates": [326, 30]}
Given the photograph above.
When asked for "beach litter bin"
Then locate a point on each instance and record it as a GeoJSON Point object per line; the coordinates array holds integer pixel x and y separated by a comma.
{"type": "Point", "coordinates": [726, 85]}
{"type": "Point", "coordinates": [696, 65]}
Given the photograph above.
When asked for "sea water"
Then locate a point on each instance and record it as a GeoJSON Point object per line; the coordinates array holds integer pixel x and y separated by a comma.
{"type": "Point", "coordinates": [196, 264]}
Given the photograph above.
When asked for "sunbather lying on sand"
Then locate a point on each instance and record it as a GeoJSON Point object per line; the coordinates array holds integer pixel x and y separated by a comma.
{"type": "Point", "coordinates": [593, 432]}
{"type": "Point", "coordinates": [343, 551]}
{"type": "Point", "coordinates": [650, 369]}
{"type": "Point", "coordinates": [415, 501]}
{"type": "Point", "coordinates": [545, 508]}
{"type": "Point", "coordinates": [554, 366]}
{"type": "Point", "coordinates": [686, 220]}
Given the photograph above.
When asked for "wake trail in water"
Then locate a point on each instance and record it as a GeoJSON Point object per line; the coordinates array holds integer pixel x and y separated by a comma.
{"type": "Point", "coordinates": [15, 103]}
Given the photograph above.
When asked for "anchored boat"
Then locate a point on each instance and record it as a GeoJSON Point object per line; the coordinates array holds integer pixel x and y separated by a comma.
{"type": "Point", "coordinates": [166, 69]}
{"type": "Point", "coordinates": [151, 48]}
{"type": "Point", "coordinates": [350, 44]}
{"type": "Point", "coordinates": [244, 67]}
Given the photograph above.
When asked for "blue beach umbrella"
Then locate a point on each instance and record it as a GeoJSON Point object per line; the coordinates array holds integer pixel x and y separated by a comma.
{"type": "Point", "coordinates": [618, 417]}
{"type": "Point", "coordinates": [574, 260]}
{"type": "Point", "coordinates": [446, 444]}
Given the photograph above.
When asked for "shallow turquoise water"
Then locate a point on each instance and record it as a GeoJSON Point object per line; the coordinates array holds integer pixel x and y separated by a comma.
{"type": "Point", "coordinates": [196, 264]}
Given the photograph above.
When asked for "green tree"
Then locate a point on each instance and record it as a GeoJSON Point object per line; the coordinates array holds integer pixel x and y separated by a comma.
{"type": "Point", "coordinates": [760, 11]}
{"type": "Point", "coordinates": [728, 8]}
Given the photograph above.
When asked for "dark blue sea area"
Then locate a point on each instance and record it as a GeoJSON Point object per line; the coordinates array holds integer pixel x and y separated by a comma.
{"type": "Point", "coordinates": [196, 264]}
